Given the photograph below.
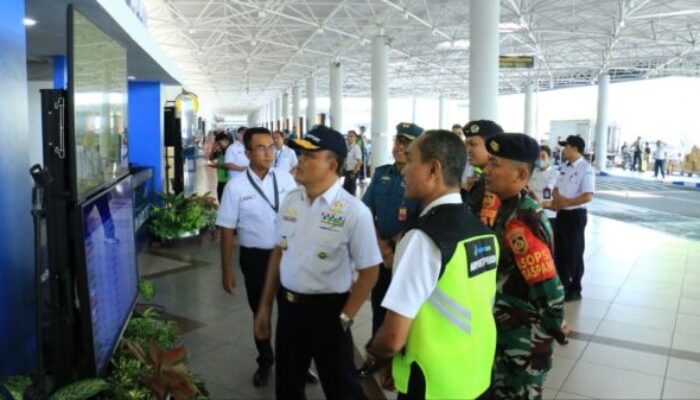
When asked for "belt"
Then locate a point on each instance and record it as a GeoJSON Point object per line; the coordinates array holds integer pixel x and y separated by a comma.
{"type": "Point", "coordinates": [320, 298]}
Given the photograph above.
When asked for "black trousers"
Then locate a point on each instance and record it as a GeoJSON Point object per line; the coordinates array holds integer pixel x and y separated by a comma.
{"type": "Point", "coordinates": [569, 244]}
{"type": "Point", "coordinates": [254, 266]}
{"type": "Point", "coordinates": [350, 182]}
{"type": "Point", "coordinates": [220, 190]}
{"type": "Point", "coordinates": [378, 293]}
{"type": "Point", "coordinates": [637, 161]}
{"type": "Point", "coordinates": [659, 166]}
{"type": "Point", "coordinates": [310, 329]}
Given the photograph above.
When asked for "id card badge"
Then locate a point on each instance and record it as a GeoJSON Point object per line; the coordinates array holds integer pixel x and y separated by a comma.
{"type": "Point", "coordinates": [403, 213]}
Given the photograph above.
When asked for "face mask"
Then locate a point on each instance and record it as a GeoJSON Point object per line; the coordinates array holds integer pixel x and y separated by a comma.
{"type": "Point", "coordinates": [542, 164]}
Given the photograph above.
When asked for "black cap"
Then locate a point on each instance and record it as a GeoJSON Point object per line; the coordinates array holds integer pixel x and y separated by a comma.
{"type": "Point", "coordinates": [321, 138]}
{"type": "Point", "coordinates": [574, 141]}
{"type": "Point", "coordinates": [514, 146]}
{"type": "Point", "coordinates": [483, 127]}
{"type": "Point", "coordinates": [408, 130]}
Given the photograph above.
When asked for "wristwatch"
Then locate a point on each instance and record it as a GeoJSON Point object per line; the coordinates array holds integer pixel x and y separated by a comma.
{"type": "Point", "coordinates": [345, 321]}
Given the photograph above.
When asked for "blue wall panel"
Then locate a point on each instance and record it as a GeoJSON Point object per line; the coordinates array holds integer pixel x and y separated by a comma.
{"type": "Point", "coordinates": [60, 72]}
{"type": "Point", "coordinates": [146, 127]}
{"type": "Point", "coordinates": [17, 306]}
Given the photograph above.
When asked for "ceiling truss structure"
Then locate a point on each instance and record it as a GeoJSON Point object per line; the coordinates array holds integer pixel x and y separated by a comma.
{"type": "Point", "coordinates": [243, 53]}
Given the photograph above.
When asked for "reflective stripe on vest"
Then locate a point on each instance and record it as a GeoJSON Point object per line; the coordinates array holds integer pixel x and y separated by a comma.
{"type": "Point", "coordinates": [450, 309]}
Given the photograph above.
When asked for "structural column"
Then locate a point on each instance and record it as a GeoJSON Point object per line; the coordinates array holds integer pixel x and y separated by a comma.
{"type": "Point", "coordinates": [529, 123]}
{"type": "Point", "coordinates": [381, 140]}
{"type": "Point", "coordinates": [441, 113]}
{"type": "Point", "coordinates": [483, 59]}
{"type": "Point", "coordinates": [601, 126]}
{"type": "Point", "coordinates": [285, 111]}
{"type": "Point", "coordinates": [278, 113]}
{"type": "Point", "coordinates": [146, 127]}
{"type": "Point", "coordinates": [310, 102]}
{"type": "Point", "coordinates": [273, 115]}
{"type": "Point", "coordinates": [336, 89]}
{"type": "Point", "coordinates": [414, 105]}
{"type": "Point", "coordinates": [295, 127]}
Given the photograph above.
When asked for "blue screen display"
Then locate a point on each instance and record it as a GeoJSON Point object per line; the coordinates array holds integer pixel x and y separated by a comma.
{"type": "Point", "coordinates": [112, 274]}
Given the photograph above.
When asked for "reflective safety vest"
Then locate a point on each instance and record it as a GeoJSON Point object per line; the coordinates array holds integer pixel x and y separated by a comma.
{"type": "Point", "coordinates": [452, 340]}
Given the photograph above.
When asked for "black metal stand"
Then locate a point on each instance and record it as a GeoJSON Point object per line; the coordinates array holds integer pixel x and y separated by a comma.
{"type": "Point", "coordinates": [42, 179]}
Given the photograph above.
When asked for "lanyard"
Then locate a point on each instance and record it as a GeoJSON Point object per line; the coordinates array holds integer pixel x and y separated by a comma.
{"type": "Point", "coordinates": [277, 157]}
{"type": "Point", "coordinates": [257, 188]}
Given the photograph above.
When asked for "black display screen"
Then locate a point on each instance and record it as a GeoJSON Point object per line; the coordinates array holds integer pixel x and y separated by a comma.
{"type": "Point", "coordinates": [111, 274]}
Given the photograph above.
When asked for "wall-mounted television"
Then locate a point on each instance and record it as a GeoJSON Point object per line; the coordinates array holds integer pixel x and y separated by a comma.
{"type": "Point", "coordinates": [97, 94]}
{"type": "Point", "coordinates": [106, 269]}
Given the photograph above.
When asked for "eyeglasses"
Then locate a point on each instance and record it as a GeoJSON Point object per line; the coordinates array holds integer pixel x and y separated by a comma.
{"type": "Point", "coordinates": [401, 142]}
{"type": "Point", "coordinates": [263, 149]}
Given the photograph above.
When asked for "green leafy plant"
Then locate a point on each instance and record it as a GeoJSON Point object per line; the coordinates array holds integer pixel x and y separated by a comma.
{"type": "Point", "coordinates": [147, 289]}
{"type": "Point", "coordinates": [209, 207]}
{"type": "Point", "coordinates": [167, 375]}
{"type": "Point", "coordinates": [174, 216]}
{"type": "Point", "coordinates": [147, 328]}
{"type": "Point", "coordinates": [16, 385]}
{"type": "Point", "coordinates": [81, 390]}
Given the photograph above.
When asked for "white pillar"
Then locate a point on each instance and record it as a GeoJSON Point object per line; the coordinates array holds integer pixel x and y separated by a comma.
{"type": "Point", "coordinates": [285, 110]}
{"type": "Point", "coordinates": [273, 113]}
{"type": "Point", "coordinates": [295, 111]}
{"type": "Point", "coordinates": [442, 115]}
{"type": "Point", "coordinates": [601, 126]}
{"type": "Point", "coordinates": [310, 102]}
{"type": "Point", "coordinates": [529, 122]}
{"type": "Point", "coordinates": [381, 138]}
{"type": "Point", "coordinates": [413, 109]}
{"type": "Point", "coordinates": [336, 89]}
{"type": "Point", "coordinates": [483, 59]}
{"type": "Point", "coordinates": [278, 115]}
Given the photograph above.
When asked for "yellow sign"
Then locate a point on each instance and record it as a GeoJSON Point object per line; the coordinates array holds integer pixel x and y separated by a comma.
{"type": "Point", "coordinates": [507, 62]}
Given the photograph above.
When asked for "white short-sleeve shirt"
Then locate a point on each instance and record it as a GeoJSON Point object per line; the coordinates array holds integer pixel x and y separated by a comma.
{"type": "Point", "coordinates": [285, 159]}
{"type": "Point", "coordinates": [417, 266]}
{"type": "Point", "coordinates": [541, 180]}
{"type": "Point", "coordinates": [325, 242]}
{"type": "Point", "coordinates": [354, 155]}
{"type": "Point", "coordinates": [235, 154]}
{"type": "Point", "coordinates": [243, 208]}
{"type": "Point", "coordinates": [575, 179]}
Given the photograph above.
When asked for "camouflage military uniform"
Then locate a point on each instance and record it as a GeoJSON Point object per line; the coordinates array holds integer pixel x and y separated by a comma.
{"type": "Point", "coordinates": [528, 314]}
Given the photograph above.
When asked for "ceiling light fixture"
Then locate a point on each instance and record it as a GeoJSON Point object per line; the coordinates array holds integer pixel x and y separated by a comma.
{"type": "Point", "coordinates": [253, 42]}
{"type": "Point", "coordinates": [29, 22]}
{"type": "Point", "coordinates": [132, 78]}
{"type": "Point", "coordinates": [509, 27]}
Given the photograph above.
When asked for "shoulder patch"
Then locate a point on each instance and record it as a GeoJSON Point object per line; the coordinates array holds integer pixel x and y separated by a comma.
{"type": "Point", "coordinates": [482, 255]}
{"type": "Point", "coordinates": [532, 255]}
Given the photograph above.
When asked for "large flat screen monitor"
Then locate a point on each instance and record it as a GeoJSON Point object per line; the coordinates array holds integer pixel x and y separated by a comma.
{"type": "Point", "coordinates": [107, 269]}
{"type": "Point", "coordinates": [97, 84]}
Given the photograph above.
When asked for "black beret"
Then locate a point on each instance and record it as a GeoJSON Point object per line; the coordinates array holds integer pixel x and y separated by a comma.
{"type": "Point", "coordinates": [408, 130]}
{"type": "Point", "coordinates": [483, 127]}
{"type": "Point", "coordinates": [574, 141]}
{"type": "Point", "coordinates": [514, 146]}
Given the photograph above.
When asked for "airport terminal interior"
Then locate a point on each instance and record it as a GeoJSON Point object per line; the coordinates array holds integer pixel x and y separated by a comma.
{"type": "Point", "coordinates": [126, 164]}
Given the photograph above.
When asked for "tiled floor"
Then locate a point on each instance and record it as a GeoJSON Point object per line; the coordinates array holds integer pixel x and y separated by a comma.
{"type": "Point", "coordinates": [636, 332]}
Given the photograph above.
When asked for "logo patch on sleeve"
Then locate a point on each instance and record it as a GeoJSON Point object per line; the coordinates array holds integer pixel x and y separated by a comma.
{"type": "Point", "coordinates": [482, 255]}
{"type": "Point", "coordinates": [530, 253]}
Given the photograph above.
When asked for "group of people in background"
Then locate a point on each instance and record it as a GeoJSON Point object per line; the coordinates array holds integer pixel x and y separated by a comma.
{"type": "Point", "coordinates": [638, 156]}
{"type": "Point", "coordinates": [467, 245]}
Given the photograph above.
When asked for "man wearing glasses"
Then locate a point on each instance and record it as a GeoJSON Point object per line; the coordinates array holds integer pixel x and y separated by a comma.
{"type": "Point", "coordinates": [385, 197]}
{"type": "Point", "coordinates": [249, 205]}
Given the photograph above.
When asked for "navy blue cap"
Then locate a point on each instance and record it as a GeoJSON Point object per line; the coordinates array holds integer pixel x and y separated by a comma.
{"type": "Point", "coordinates": [514, 146]}
{"type": "Point", "coordinates": [321, 138]}
{"type": "Point", "coordinates": [408, 130]}
{"type": "Point", "coordinates": [574, 141]}
{"type": "Point", "coordinates": [483, 127]}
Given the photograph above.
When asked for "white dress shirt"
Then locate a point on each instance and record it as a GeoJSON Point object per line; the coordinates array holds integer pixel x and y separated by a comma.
{"type": "Point", "coordinates": [235, 154]}
{"type": "Point", "coordinates": [417, 266]}
{"type": "Point", "coordinates": [354, 155]}
{"type": "Point", "coordinates": [325, 242]}
{"type": "Point", "coordinates": [285, 159]}
{"type": "Point", "coordinates": [244, 209]}
{"type": "Point", "coordinates": [576, 179]}
{"type": "Point", "coordinates": [660, 152]}
{"type": "Point", "coordinates": [541, 180]}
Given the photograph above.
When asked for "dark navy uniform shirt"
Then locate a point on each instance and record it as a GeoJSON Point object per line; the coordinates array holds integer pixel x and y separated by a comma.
{"type": "Point", "coordinates": [385, 197]}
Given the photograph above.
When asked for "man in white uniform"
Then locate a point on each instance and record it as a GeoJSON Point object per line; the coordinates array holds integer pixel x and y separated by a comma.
{"type": "Point", "coordinates": [285, 158]}
{"type": "Point", "coordinates": [574, 188]}
{"type": "Point", "coordinates": [542, 181]}
{"type": "Point", "coordinates": [353, 163]}
{"type": "Point", "coordinates": [236, 160]}
{"type": "Point", "coordinates": [249, 205]}
{"type": "Point", "coordinates": [326, 237]}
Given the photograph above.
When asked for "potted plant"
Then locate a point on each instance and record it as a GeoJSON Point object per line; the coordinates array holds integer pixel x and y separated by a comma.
{"type": "Point", "coordinates": [176, 216]}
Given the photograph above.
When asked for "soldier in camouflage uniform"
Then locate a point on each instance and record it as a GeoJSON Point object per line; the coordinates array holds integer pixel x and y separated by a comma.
{"type": "Point", "coordinates": [474, 194]}
{"type": "Point", "coordinates": [529, 306]}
